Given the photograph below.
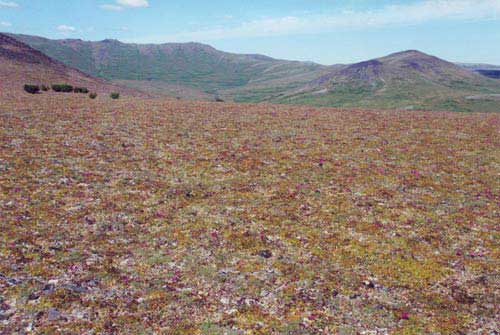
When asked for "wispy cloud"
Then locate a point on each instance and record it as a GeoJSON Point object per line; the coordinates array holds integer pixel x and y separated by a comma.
{"type": "Point", "coordinates": [5, 24]}
{"type": "Point", "coordinates": [66, 29]}
{"type": "Point", "coordinates": [111, 7]}
{"type": "Point", "coordinates": [10, 4]}
{"type": "Point", "coordinates": [414, 13]}
{"type": "Point", "coordinates": [121, 4]}
{"type": "Point", "coordinates": [133, 3]}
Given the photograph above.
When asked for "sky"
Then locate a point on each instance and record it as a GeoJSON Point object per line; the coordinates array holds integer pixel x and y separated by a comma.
{"type": "Point", "coordinates": [322, 31]}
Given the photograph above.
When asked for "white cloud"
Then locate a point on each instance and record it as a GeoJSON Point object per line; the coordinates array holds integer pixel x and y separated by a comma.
{"type": "Point", "coordinates": [405, 14]}
{"type": "Point", "coordinates": [133, 3]}
{"type": "Point", "coordinates": [10, 4]}
{"type": "Point", "coordinates": [5, 24]}
{"type": "Point", "coordinates": [111, 7]}
{"type": "Point", "coordinates": [66, 29]}
{"type": "Point", "coordinates": [120, 4]}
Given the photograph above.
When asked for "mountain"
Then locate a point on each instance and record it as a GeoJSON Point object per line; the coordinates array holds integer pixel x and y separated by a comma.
{"type": "Point", "coordinates": [478, 66]}
{"type": "Point", "coordinates": [404, 80]}
{"type": "Point", "coordinates": [176, 67]}
{"type": "Point", "coordinates": [20, 64]}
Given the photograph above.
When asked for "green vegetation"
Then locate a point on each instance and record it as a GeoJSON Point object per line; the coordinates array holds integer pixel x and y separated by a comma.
{"type": "Point", "coordinates": [93, 95]}
{"type": "Point", "coordinates": [32, 89]}
{"type": "Point", "coordinates": [62, 88]}
{"type": "Point", "coordinates": [83, 90]}
{"type": "Point", "coordinates": [391, 83]}
{"type": "Point", "coordinates": [44, 88]}
{"type": "Point", "coordinates": [115, 95]}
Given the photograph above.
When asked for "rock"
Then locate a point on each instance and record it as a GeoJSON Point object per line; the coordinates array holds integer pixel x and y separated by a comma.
{"type": "Point", "coordinates": [49, 288]}
{"type": "Point", "coordinates": [265, 253]}
{"type": "Point", "coordinates": [53, 314]}
{"type": "Point", "coordinates": [33, 296]}
{"type": "Point", "coordinates": [369, 284]}
{"type": "Point", "coordinates": [75, 288]}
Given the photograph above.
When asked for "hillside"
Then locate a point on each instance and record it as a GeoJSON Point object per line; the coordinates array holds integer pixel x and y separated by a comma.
{"type": "Point", "coordinates": [20, 64]}
{"type": "Point", "coordinates": [193, 66]}
{"type": "Point", "coordinates": [405, 80]}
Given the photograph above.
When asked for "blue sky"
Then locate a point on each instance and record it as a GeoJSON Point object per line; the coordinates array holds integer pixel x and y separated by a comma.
{"type": "Point", "coordinates": [324, 31]}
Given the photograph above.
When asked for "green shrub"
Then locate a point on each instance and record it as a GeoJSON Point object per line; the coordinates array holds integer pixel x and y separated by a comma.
{"type": "Point", "coordinates": [44, 88]}
{"type": "Point", "coordinates": [93, 95]}
{"type": "Point", "coordinates": [217, 99]}
{"type": "Point", "coordinates": [115, 95]}
{"type": "Point", "coordinates": [33, 89]}
{"type": "Point", "coordinates": [62, 88]}
{"type": "Point", "coordinates": [83, 90]}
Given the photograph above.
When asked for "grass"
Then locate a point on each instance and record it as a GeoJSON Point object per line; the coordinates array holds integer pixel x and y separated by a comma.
{"type": "Point", "coordinates": [419, 95]}
{"type": "Point", "coordinates": [148, 216]}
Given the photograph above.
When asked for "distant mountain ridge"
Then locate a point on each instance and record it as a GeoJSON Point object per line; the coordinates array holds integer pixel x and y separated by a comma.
{"type": "Point", "coordinates": [404, 80]}
{"type": "Point", "coordinates": [487, 70]}
{"type": "Point", "coordinates": [194, 65]}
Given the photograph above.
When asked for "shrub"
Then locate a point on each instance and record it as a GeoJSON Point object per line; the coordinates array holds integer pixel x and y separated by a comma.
{"type": "Point", "coordinates": [217, 99]}
{"type": "Point", "coordinates": [33, 89]}
{"type": "Point", "coordinates": [44, 88]}
{"type": "Point", "coordinates": [93, 95]}
{"type": "Point", "coordinates": [115, 95]}
{"type": "Point", "coordinates": [62, 88]}
{"type": "Point", "coordinates": [83, 90]}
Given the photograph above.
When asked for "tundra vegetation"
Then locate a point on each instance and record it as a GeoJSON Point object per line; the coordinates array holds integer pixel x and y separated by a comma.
{"type": "Point", "coordinates": [83, 90]}
{"type": "Point", "coordinates": [65, 88]}
{"type": "Point", "coordinates": [32, 89]}
{"type": "Point", "coordinates": [171, 217]}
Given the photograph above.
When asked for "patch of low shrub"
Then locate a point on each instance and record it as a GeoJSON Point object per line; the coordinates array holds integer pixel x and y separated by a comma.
{"type": "Point", "coordinates": [33, 89]}
{"type": "Point", "coordinates": [83, 90]}
{"type": "Point", "coordinates": [93, 95]}
{"type": "Point", "coordinates": [115, 95]}
{"type": "Point", "coordinates": [62, 88]}
{"type": "Point", "coordinates": [44, 88]}
{"type": "Point", "coordinates": [217, 99]}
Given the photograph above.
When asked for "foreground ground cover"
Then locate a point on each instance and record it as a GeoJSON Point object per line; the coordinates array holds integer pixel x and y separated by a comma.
{"type": "Point", "coordinates": [167, 217]}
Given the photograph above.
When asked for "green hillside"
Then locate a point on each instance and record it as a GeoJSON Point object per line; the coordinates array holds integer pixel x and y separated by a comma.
{"type": "Point", "coordinates": [193, 65]}
{"type": "Point", "coordinates": [407, 80]}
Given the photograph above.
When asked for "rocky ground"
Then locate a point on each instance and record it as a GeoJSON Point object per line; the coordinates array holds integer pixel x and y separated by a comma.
{"type": "Point", "coordinates": [167, 217]}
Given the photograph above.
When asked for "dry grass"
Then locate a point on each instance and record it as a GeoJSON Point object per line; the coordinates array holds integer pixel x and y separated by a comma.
{"type": "Point", "coordinates": [165, 217]}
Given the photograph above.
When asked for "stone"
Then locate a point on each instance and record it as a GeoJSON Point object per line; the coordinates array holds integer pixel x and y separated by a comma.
{"type": "Point", "coordinates": [265, 253]}
{"type": "Point", "coordinates": [53, 314]}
